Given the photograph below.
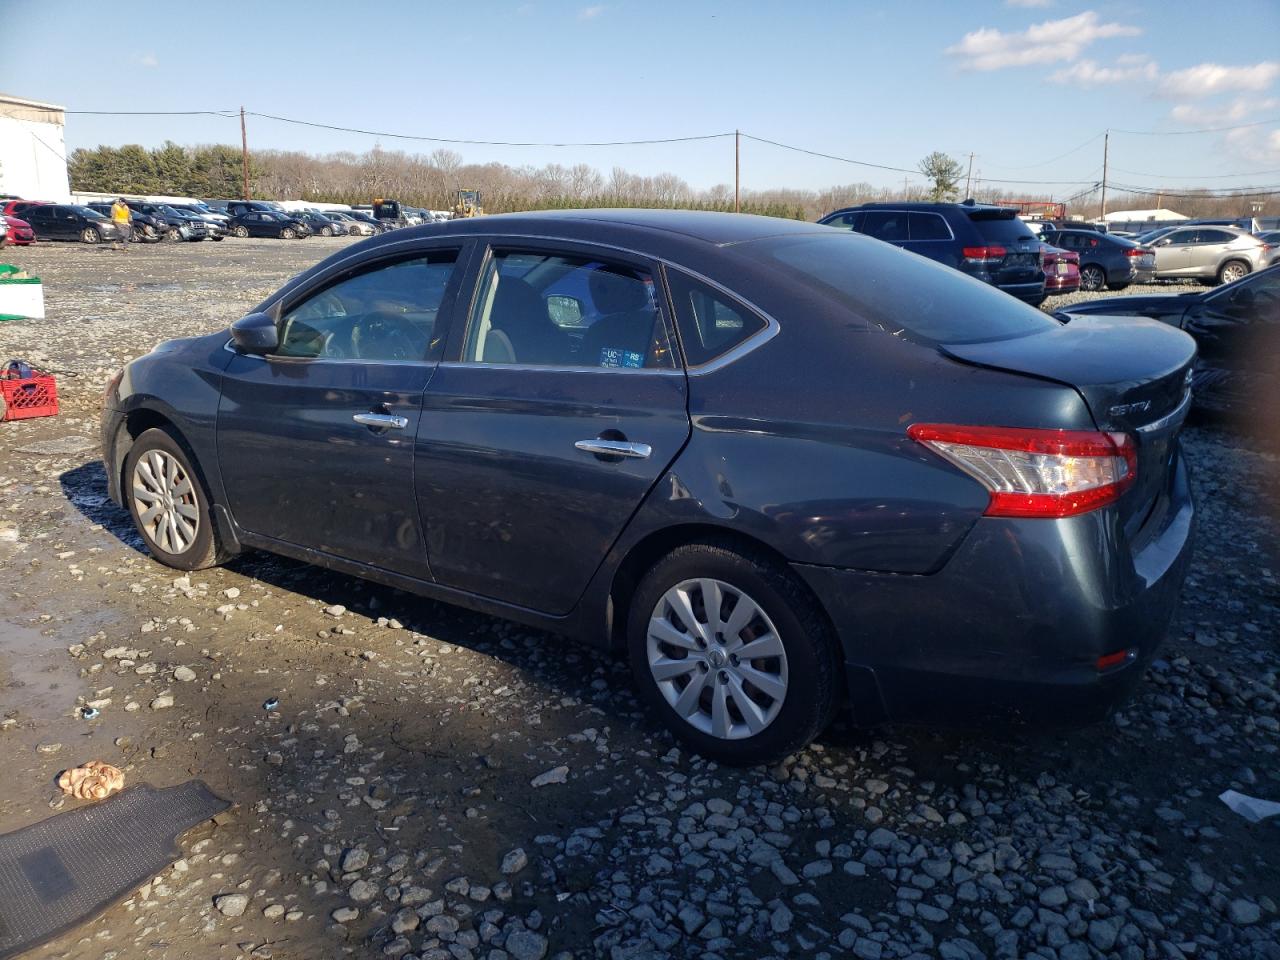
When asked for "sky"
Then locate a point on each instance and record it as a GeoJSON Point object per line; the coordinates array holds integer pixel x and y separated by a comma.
{"type": "Point", "coordinates": [1027, 86]}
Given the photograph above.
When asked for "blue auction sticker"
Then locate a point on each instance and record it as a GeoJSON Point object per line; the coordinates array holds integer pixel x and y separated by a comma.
{"type": "Point", "coordinates": [616, 357]}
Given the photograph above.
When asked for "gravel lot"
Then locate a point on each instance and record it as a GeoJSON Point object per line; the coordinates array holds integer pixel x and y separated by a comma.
{"type": "Point", "coordinates": [439, 784]}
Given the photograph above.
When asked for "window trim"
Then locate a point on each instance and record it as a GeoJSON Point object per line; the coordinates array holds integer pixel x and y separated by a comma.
{"type": "Point", "coordinates": [951, 234]}
{"type": "Point", "coordinates": [762, 336]}
{"type": "Point", "coordinates": [492, 243]}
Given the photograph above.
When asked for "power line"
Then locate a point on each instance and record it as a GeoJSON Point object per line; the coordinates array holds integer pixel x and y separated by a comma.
{"type": "Point", "coordinates": [1187, 133]}
{"type": "Point", "coordinates": [487, 143]}
{"type": "Point", "coordinates": [1194, 176]}
{"type": "Point", "coordinates": [1044, 163]}
{"type": "Point", "coordinates": [228, 114]}
{"type": "Point", "coordinates": [830, 156]}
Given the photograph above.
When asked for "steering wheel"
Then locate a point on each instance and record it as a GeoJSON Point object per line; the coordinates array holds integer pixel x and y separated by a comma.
{"type": "Point", "coordinates": [379, 340]}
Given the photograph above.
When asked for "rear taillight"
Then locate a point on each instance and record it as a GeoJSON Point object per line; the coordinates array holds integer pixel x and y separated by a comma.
{"type": "Point", "coordinates": [1137, 252]}
{"type": "Point", "coordinates": [984, 254]}
{"type": "Point", "coordinates": [1036, 473]}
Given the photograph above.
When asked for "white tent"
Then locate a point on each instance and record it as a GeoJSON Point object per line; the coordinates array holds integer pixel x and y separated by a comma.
{"type": "Point", "coordinates": [33, 151]}
{"type": "Point", "coordinates": [1129, 216]}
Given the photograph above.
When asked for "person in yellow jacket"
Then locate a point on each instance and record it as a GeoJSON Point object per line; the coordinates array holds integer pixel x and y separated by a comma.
{"type": "Point", "coordinates": [122, 217]}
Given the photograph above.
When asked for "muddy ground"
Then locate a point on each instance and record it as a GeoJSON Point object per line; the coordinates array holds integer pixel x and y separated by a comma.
{"type": "Point", "coordinates": [385, 806]}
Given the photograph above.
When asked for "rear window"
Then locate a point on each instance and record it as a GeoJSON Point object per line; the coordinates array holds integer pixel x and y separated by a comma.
{"type": "Point", "coordinates": [1002, 229]}
{"type": "Point", "coordinates": [900, 293]}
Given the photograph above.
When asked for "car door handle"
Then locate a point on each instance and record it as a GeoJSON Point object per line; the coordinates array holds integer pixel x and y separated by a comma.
{"type": "Point", "coordinates": [383, 421]}
{"type": "Point", "coordinates": [615, 448]}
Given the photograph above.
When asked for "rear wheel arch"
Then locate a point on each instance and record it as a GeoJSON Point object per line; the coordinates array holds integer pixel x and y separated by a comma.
{"type": "Point", "coordinates": [645, 553]}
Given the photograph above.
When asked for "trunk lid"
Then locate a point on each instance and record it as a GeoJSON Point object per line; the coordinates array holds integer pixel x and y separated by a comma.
{"type": "Point", "coordinates": [1134, 374]}
{"type": "Point", "coordinates": [1023, 261]}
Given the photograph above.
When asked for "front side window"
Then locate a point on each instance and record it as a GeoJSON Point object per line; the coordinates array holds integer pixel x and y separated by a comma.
{"type": "Point", "coordinates": [547, 309]}
{"type": "Point", "coordinates": [1180, 237]}
{"type": "Point", "coordinates": [711, 324]}
{"type": "Point", "coordinates": [387, 314]}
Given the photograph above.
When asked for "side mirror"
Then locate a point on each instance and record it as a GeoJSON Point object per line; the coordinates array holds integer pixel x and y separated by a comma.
{"type": "Point", "coordinates": [256, 333]}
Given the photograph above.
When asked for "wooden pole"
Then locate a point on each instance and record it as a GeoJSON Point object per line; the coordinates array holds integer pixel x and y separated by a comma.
{"type": "Point", "coordinates": [1106, 148]}
{"type": "Point", "coordinates": [968, 181]}
{"type": "Point", "coordinates": [244, 157]}
{"type": "Point", "coordinates": [737, 150]}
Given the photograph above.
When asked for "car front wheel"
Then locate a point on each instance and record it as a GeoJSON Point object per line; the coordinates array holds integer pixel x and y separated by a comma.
{"type": "Point", "coordinates": [169, 504]}
{"type": "Point", "coordinates": [90, 235]}
{"type": "Point", "coordinates": [732, 653]}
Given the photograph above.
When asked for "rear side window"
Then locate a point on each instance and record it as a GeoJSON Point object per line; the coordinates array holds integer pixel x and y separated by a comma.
{"type": "Point", "coordinates": [899, 293]}
{"type": "Point", "coordinates": [711, 323]}
{"type": "Point", "coordinates": [928, 226]}
{"type": "Point", "coordinates": [887, 225]}
{"type": "Point", "coordinates": [1002, 229]}
{"type": "Point", "coordinates": [1214, 236]}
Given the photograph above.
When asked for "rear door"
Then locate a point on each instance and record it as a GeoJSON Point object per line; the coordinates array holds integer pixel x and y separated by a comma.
{"type": "Point", "coordinates": [1173, 253]}
{"type": "Point", "coordinates": [315, 441]}
{"type": "Point", "coordinates": [563, 403]}
{"type": "Point", "coordinates": [1208, 251]}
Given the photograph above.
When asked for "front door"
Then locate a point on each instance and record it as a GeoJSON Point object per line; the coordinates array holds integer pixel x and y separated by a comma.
{"type": "Point", "coordinates": [563, 405]}
{"type": "Point", "coordinates": [315, 441]}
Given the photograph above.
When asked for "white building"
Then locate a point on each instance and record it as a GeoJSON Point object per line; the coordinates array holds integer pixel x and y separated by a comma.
{"type": "Point", "coordinates": [33, 150]}
{"type": "Point", "coordinates": [1156, 216]}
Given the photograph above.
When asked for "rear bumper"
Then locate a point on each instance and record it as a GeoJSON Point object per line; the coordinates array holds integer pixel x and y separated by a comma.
{"type": "Point", "coordinates": [1011, 628]}
{"type": "Point", "coordinates": [1030, 292]}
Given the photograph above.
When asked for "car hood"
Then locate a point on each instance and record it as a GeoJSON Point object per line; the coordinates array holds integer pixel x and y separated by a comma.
{"type": "Point", "coordinates": [1156, 306]}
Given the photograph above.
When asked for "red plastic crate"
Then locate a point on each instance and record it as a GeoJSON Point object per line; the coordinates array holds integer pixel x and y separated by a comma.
{"type": "Point", "coordinates": [36, 396]}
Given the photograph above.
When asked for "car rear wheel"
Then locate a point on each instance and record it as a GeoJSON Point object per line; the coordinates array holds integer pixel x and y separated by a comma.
{"type": "Point", "coordinates": [732, 653]}
{"type": "Point", "coordinates": [241, 232]}
{"type": "Point", "coordinates": [1092, 277]}
{"type": "Point", "coordinates": [1232, 271]}
{"type": "Point", "coordinates": [90, 235]}
{"type": "Point", "coordinates": [169, 504]}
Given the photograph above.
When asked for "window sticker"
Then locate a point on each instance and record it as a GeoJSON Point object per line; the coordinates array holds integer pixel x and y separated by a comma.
{"type": "Point", "coordinates": [617, 357]}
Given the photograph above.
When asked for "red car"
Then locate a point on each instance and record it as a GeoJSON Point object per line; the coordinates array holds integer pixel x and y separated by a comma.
{"type": "Point", "coordinates": [1061, 270]}
{"type": "Point", "coordinates": [14, 207]}
{"type": "Point", "coordinates": [20, 232]}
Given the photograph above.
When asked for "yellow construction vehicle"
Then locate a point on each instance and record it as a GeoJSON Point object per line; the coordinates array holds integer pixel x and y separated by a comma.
{"type": "Point", "coordinates": [468, 205]}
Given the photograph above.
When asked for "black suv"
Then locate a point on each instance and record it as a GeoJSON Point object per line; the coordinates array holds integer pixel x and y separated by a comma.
{"type": "Point", "coordinates": [987, 242]}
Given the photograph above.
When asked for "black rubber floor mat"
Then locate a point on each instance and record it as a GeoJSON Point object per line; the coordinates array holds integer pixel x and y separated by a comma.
{"type": "Point", "coordinates": [56, 874]}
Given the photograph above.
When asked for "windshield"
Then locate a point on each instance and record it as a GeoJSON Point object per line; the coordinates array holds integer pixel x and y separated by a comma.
{"type": "Point", "coordinates": [88, 212]}
{"type": "Point", "coordinates": [173, 212]}
{"type": "Point", "coordinates": [899, 292]}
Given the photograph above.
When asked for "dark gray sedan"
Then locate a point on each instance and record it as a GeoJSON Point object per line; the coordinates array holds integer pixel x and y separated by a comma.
{"type": "Point", "coordinates": [1106, 261]}
{"type": "Point", "coordinates": [777, 466]}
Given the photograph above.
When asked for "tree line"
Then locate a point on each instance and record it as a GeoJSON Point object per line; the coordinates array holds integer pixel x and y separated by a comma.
{"type": "Point", "coordinates": [432, 180]}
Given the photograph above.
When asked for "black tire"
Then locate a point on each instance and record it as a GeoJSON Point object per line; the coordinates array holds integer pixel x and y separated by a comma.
{"type": "Point", "coordinates": [1092, 277]}
{"type": "Point", "coordinates": [287, 233]}
{"type": "Point", "coordinates": [217, 239]}
{"type": "Point", "coordinates": [241, 232]}
{"type": "Point", "coordinates": [326, 231]}
{"type": "Point", "coordinates": [813, 686]}
{"type": "Point", "coordinates": [90, 235]}
{"type": "Point", "coordinates": [204, 549]}
{"type": "Point", "coordinates": [173, 235]}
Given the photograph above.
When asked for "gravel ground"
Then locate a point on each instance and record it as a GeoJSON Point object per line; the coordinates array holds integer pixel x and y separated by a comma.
{"type": "Point", "coordinates": [434, 783]}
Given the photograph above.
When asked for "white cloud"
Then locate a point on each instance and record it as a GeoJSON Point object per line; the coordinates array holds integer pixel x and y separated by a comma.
{"type": "Point", "coordinates": [1207, 79]}
{"type": "Point", "coordinates": [149, 60]}
{"type": "Point", "coordinates": [1221, 116]}
{"type": "Point", "coordinates": [1028, 3]}
{"type": "Point", "coordinates": [1090, 73]}
{"type": "Point", "coordinates": [1048, 42]}
{"type": "Point", "coordinates": [590, 13]}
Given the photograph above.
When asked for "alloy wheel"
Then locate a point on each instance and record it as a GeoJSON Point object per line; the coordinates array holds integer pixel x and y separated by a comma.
{"type": "Point", "coordinates": [90, 235]}
{"type": "Point", "coordinates": [241, 232]}
{"type": "Point", "coordinates": [1092, 278]}
{"type": "Point", "coordinates": [165, 501]}
{"type": "Point", "coordinates": [717, 659]}
{"type": "Point", "coordinates": [1232, 272]}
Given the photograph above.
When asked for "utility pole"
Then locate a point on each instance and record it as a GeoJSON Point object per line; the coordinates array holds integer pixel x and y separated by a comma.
{"type": "Point", "coordinates": [1106, 147]}
{"type": "Point", "coordinates": [905, 182]}
{"type": "Point", "coordinates": [244, 157]}
{"type": "Point", "coordinates": [737, 150]}
{"type": "Point", "coordinates": [968, 181]}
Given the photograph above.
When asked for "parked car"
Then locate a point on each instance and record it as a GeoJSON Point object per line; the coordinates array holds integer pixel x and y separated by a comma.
{"type": "Point", "coordinates": [368, 218]}
{"type": "Point", "coordinates": [1237, 329]}
{"type": "Point", "coordinates": [354, 226]}
{"type": "Point", "coordinates": [20, 232]}
{"type": "Point", "coordinates": [216, 223]}
{"type": "Point", "coordinates": [268, 223]}
{"type": "Point", "coordinates": [178, 225]}
{"type": "Point", "coordinates": [321, 224]}
{"type": "Point", "coordinates": [15, 208]}
{"type": "Point", "coordinates": [236, 208]}
{"type": "Point", "coordinates": [1216, 254]}
{"type": "Point", "coordinates": [145, 228]}
{"type": "Point", "coordinates": [986, 242]}
{"type": "Point", "coordinates": [1061, 270]}
{"type": "Point", "coordinates": [1106, 261]}
{"type": "Point", "coordinates": [1151, 236]}
{"type": "Point", "coordinates": [923, 510]}
{"type": "Point", "coordinates": [69, 221]}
